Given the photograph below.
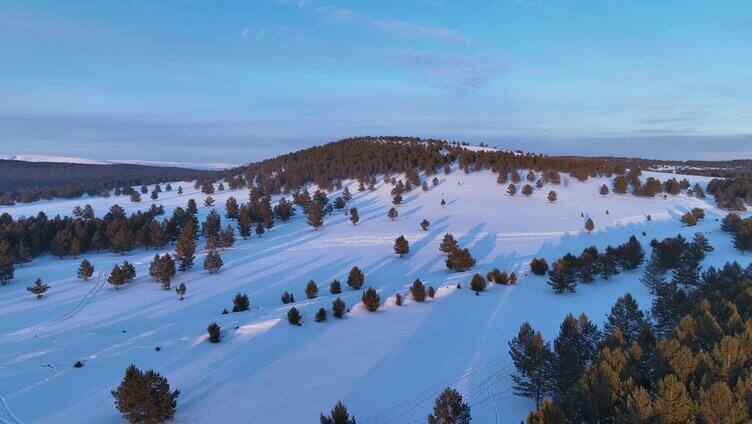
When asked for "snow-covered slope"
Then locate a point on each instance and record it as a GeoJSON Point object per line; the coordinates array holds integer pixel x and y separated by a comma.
{"type": "Point", "coordinates": [386, 366]}
{"type": "Point", "coordinates": [70, 159]}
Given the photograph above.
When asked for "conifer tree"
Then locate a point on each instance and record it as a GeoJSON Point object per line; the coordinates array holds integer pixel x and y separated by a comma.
{"type": "Point", "coordinates": [627, 317]}
{"type": "Point", "coordinates": [546, 413]}
{"type": "Point", "coordinates": [356, 278]}
{"type": "Point", "coordinates": [145, 397]}
{"type": "Point", "coordinates": [511, 189]}
{"type": "Point", "coordinates": [603, 191]}
{"type": "Point", "coordinates": [401, 246]}
{"type": "Point", "coordinates": [116, 277]}
{"type": "Point", "coordinates": [527, 190]}
{"type": "Point", "coordinates": [259, 229]}
{"type": "Point", "coordinates": [23, 252]}
{"type": "Point", "coordinates": [589, 225]}
{"type": "Point", "coordinates": [321, 315]}
{"type": "Point", "coordinates": [551, 196]}
{"type": "Point", "coordinates": [424, 225]}
{"type": "Point", "coordinates": [227, 237]}
{"type": "Point", "coordinates": [531, 356]}
{"type": "Point", "coordinates": [185, 248]}
{"type": "Point", "coordinates": [418, 291]}
{"type": "Point", "coordinates": [315, 215]}
{"type": "Point", "coordinates": [38, 288]}
{"type": "Point", "coordinates": [742, 238]}
{"type": "Point", "coordinates": [339, 415]}
{"type": "Point", "coordinates": [443, 203]}
{"type": "Point", "coordinates": [538, 266]}
{"type": "Point", "coordinates": [562, 278]}
{"type": "Point", "coordinates": [287, 298]}
{"type": "Point", "coordinates": [339, 203]}
{"type": "Point", "coordinates": [354, 217]}
{"type": "Point", "coordinates": [371, 300]}
{"type": "Point", "coordinates": [448, 244]}
{"type": "Point", "coordinates": [311, 290]}
{"type": "Point", "coordinates": [284, 209]}
{"type": "Point", "coordinates": [240, 303]}
{"type": "Point", "coordinates": [620, 184]}
{"type": "Point", "coordinates": [673, 404]}
{"type": "Point", "coordinates": [293, 316]}
{"type": "Point", "coordinates": [244, 223]}
{"type": "Point", "coordinates": [338, 308]}
{"type": "Point", "coordinates": [335, 287]}
{"type": "Point", "coordinates": [574, 349]}
{"type": "Point", "coordinates": [397, 199]}
{"type": "Point", "coordinates": [460, 260]}
{"type": "Point", "coordinates": [477, 283]}
{"type": "Point", "coordinates": [180, 290]}
{"type": "Point", "coordinates": [85, 270]}
{"type": "Point", "coordinates": [450, 409]}
{"type": "Point", "coordinates": [431, 292]}
{"type": "Point", "coordinates": [392, 214]}
{"type": "Point", "coordinates": [232, 210]}
{"type": "Point", "coordinates": [213, 262]}
{"type": "Point", "coordinates": [214, 332]}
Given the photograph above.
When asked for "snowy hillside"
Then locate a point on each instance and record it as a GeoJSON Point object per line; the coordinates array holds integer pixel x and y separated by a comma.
{"type": "Point", "coordinates": [387, 367]}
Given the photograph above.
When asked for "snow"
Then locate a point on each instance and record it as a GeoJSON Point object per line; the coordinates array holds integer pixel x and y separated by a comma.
{"type": "Point", "coordinates": [86, 161]}
{"type": "Point", "coordinates": [387, 366]}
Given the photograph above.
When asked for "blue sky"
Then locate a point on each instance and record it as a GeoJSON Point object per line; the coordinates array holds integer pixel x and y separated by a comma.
{"type": "Point", "coordinates": [235, 81]}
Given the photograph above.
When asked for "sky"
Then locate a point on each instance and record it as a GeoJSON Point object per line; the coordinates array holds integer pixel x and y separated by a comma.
{"type": "Point", "coordinates": [237, 81]}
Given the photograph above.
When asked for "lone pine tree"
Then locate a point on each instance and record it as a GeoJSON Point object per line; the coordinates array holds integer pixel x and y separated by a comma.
{"type": "Point", "coordinates": [449, 408]}
{"type": "Point", "coordinates": [418, 291]}
{"type": "Point", "coordinates": [185, 247]}
{"type": "Point", "coordinates": [85, 270]}
{"type": "Point", "coordinates": [401, 246]}
{"type": "Point", "coordinates": [335, 287]}
{"type": "Point", "coordinates": [392, 214]}
{"type": "Point", "coordinates": [212, 262]}
{"type": "Point", "coordinates": [311, 290]}
{"type": "Point", "coordinates": [214, 332]}
{"type": "Point", "coordinates": [38, 288]}
{"type": "Point", "coordinates": [477, 283]}
{"type": "Point", "coordinates": [424, 225]}
{"type": "Point", "coordinates": [589, 225]}
{"type": "Point", "coordinates": [320, 315]}
{"type": "Point", "coordinates": [240, 303]}
{"type": "Point", "coordinates": [354, 217]}
{"type": "Point", "coordinates": [530, 355]}
{"type": "Point", "coordinates": [315, 215]}
{"type": "Point", "coordinates": [338, 415]}
{"type": "Point", "coordinates": [293, 316]}
{"type": "Point", "coordinates": [145, 397]}
{"type": "Point", "coordinates": [338, 308]}
{"type": "Point", "coordinates": [356, 278]}
{"type": "Point", "coordinates": [371, 299]}
{"type": "Point", "coordinates": [180, 290]}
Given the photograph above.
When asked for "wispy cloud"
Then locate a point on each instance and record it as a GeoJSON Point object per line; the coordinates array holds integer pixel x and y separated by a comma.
{"type": "Point", "coordinates": [399, 28]}
{"type": "Point", "coordinates": [454, 71]}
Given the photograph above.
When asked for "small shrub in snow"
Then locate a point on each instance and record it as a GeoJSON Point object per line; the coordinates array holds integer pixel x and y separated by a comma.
{"type": "Point", "coordinates": [418, 291]}
{"type": "Point", "coordinates": [293, 316]}
{"type": "Point", "coordinates": [335, 287]}
{"type": "Point", "coordinates": [538, 266]}
{"type": "Point", "coordinates": [312, 290]}
{"type": "Point", "coordinates": [321, 315]}
{"type": "Point", "coordinates": [214, 332]}
{"type": "Point", "coordinates": [240, 303]}
{"type": "Point", "coordinates": [78, 364]}
{"type": "Point", "coordinates": [401, 246]}
{"type": "Point", "coordinates": [398, 299]}
{"type": "Point", "coordinates": [287, 298]}
{"type": "Point", "coordinates": [424, 225]}
{"type": "Point", "coordinates": [371, 300]}
{"type": "Point", "coordinates": [431, 292]}
{"type": "Point", "coordinates": [338, 308]}
{"type": "Point", "coordinates": [477, 283]}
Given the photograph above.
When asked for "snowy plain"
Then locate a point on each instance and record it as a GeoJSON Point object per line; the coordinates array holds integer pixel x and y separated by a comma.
{"type": "Point", "coordinates": [387, 366]}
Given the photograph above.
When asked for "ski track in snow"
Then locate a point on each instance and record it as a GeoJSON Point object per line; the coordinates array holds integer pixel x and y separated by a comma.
{"type": "Point", "coordinates": [387, 367]}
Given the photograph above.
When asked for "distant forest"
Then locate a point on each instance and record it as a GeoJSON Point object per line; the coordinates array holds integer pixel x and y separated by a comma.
{"type": "Point", "coordinates": [29, 181]}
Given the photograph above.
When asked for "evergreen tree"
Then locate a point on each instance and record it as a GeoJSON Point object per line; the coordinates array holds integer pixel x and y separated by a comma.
{"type": "Point", "coordinates": [321, 315]}
{"type": "Point", "coordinates": [315, 215]}
{"type": "Point", "coordinates": [538, 266]}
{"type": "Point", "coordinates": [214, 332]}
{"type": "Point", "coordinates": [401, 246]}
{"type": "Point", "coordinates": [259, 229]}
{"type": "Point", "coordinates": [627, 317]}
{"type": "Point", "coordinates": [180, 290]}
{"type": "Point", "coordinates": [531, 356]}
{"type": "Point", "coordinates": [287, 298]}
{"type": "Point", "coordinates": [448, 244]}
{"type": "Point", "coordinates": [293, 316]}
{"type": "Point", "coordinates": [116, 277]}
{"type": "Point", "coordinates": [213, 262]}
{"type": "Point", "coordinates": [620, 184]}
{"type": "Point", "coordinates": [145, 397]}
{"type": "Point", "coordinates": [311, 290]}
{"type": "Point", "coordinates": [38, 288]}
{"type": "Point", "coordinates": [227, 237]}
{"type": "Point", "coordinates": [431, 292]}
{"type": "Point", "coordinates": [424, 225]}
{"type": "Point", "coordinates": [392, 214]}
{"type": "Point", "coordinates": [244, 223]}
{"type": "Point", "coordinates": [603, 190]}
{"type": "Point", "coordinates": [450, 409]}
{"type": "Point", "coordinates": [338, 308]}
{"type": "Point", "coordinates": [85, 270]}
{"type": "Point", "coordinates": [742, 238]}
{"type": "Point", "coordinates": [371, 300]}
{"type": "Point", "coordinates": [589, 225]}
{"type": "Point", "coordinates": [284, 209]}
{"type": "Point", "coordinates": [606, 263]}
{"type": "Point", "coordinates": [731, 223]}
{"type": "Point", "coordinates": [335, 287]}
{"type": "Point", "coordinates": [527, 190]}
{"type": "Point", "coordinates": [562, 278]}
{"type": "Point", "coordinates": [23, 252]}
{"type": "Point", "coordinates": [460, 260]}
{"type": "Point", "coordinates": [354, 217]}
{"type": "Point", "coordinates": [546, 413]}
{"type": "Point", "coordinates": [418, 291]}
{"type": "Point", "coordinates": [162, 269]}
{"type": "Point", "coordinates": [397, 199]}
{"type": "Point", "coordinates": [232, 210]}
{"type": "Point", "coordinates": [673, 404]}
{"type": "Point", "coordinates": [356, 278]}
{"type": "Point", "coordinates": [574, 349]}
{"type": "Point", "coordinates": [339, 203]}
{"type": "Point", "coordinates": [511, 189]}
{"type": "Point", "coordinates": [339, 414]}
{"type": "Point", "coordinates": [185, 248]}
{"type": "Point", "coordinates": [477, 283]}
{"type": "Point", "coordinates": [398, 299]}
{"type": "Point", "coordinates": [551, 196]}
{"type": "Point", "coordinates": [240, 303]}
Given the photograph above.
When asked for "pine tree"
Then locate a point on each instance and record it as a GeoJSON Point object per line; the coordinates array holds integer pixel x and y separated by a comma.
{"type": "Point", "coordinates": [397, 199]}
{"type": "Point", "coordinates": [460, 260]}
{"type": "Point", "coordinates": [338, 308]}
{"type": "Point", "coordinates": [620, 184]}
{"type": "Point", "coordinates": [186, 247]}
{"type": "Point", "coordinates": [431, 292]}
{"type": "Point", "coordinates": [335, 287]}
{"type": "Point", "coordinates": [227, 237]}
{"type": "Point", "coordinates": [116, 277]}
{"type": "Point", "coordinates": [627, 317]}
{"type": "Point", "coordinates": [511, 189]}
{"type": "Point", "coordinates": [287, 298]}
{"type": "Point", "coordinates": [477, 283]}
{"type": "Point", "coordinates": [315, 214]}
{"type": "Point", "coordinates": [354, 217]}
{"type": "Point", "coordinates": [293, 316]}
{"type": "Point", "coordinates": [527, 190]}
{"type": "Point", "coordinates": [259, 229]}
{"type": "Point", "coordinates": [371, 300]}
{"type": "Point", "coordinates": [742, 238]}
{"type": "Point", "coordinates": [401, 246]}
{"type": "Point", "coordinates": [731, 223]}
{"type": "Point", "coordinates": [339, 203]}
{"type": "Point", "coordinates": [398, 299]}
{"type": "Point", "coordinates": [339, 415]}
{"type": "Point", "coordinates": [356, 278]}
{"type": "Point", "coordinates": [145, 397]}
{"type": "Point", "coordinates": [589, 225]}
{"type": "Point", "coordinates": [240, 303]}
{"type": "Point", "coordinates": [551, 196]}
{"type": "Point", "coordinates": [85, 270]}
{"type": "Point", "coordinates": [603, 190]}
{"type": "Point", "coordinates": [673, 404]}
{"type": "Point", "coordinates": [546, 413]}
{"type": "Point", "coordinates": [574, 349]}
{"type": "Point", "coordinates": [38, 288]}
{"type": "Point", "coordinates": [606, 264]}
{"type": "Point", "coordinates": [244, 223]}
{"type": "Point", "coordinates": [448, 244]}
{"type": "Point", "coordinates": [232, 210]}
{"type": "Point", "coordinates": [531, 356]}
{"type": "Point", "coordinates": [214, 332]}
{"type": "Point", "coordinates": [443, 203]}
{"type": "Point", "coordinates": [23, 252]}
{"type": "Point", "coordinates": [538, 266]}
{"type": "Point", "coordinates": [424, 225]}
{"type": "Point", "coordinates": [450, 409]}
{"type": "Point", "coordinates": [321, 315]}
{"type": "Point", "coordinates": [418, 291]}
{"type": "Point", "coordinates": [562, 278]}
{"type": "Point", "coordinates": [213, 262]}
{"type": "Point", "coordinates": [311, 290]}
{"type": "Point", "coordinates": [180, 290]}
{"type": "Point", "coordinates": [392, 214]}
